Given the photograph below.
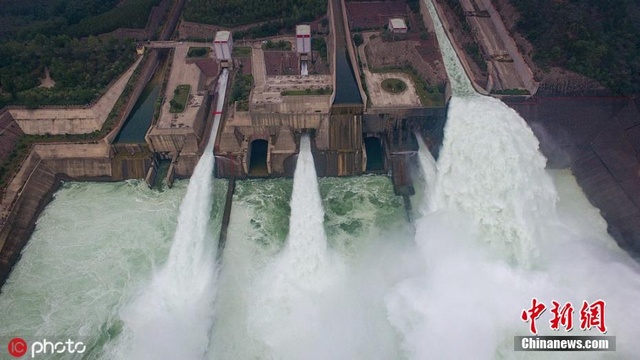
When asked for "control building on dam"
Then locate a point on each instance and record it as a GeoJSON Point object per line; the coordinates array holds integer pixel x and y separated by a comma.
{"type": "Point", "coordinates": [293, 93]}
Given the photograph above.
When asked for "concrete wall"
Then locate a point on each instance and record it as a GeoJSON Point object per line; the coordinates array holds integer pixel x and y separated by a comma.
{"type": "Point", "coordinates": [331, 48]}
{"type": "Point", "coordinates": [56, 121]}
{"type": "Point", "coordinates": [338, 137]}
{"type": "Point", "coordinates": [173, 140]}
{"type": "Point", "coordinates": [184, 165]}
{"type": "Point", "coordinates": [296, 121]}
{"type": "Point", "coordinates": [278, 123]}
{"type": "Point", "coordinates": [37, 190]}
{"type": "Point", "coordinates": [296, 104]}
{"type": "Point", "coordinates": [352, 54]}
{"type": "Point", "coordinates": [130, 161]}
{"type": "Point", "coordinates": [230, 165]}
{"type": "Point", "coordinates": [339, 163]}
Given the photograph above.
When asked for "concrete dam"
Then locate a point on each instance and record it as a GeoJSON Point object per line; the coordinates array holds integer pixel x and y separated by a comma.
{"type": "Point", "coordinates": [349, 135]}
{"type": "Point", "coordinates": [322, 85]}
{"type": "Point", "coordinates": [326, 264]}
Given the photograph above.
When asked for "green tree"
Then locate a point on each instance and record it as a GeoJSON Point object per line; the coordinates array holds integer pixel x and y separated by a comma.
{"type": "Point", "coordinates": [357, 39]}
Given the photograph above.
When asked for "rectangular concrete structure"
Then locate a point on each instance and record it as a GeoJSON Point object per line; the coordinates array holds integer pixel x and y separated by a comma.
{"type": "Point", "coordinates": [182, 133]}
{"type": "Point", "coordinates": [397, 26]}
{"type": "Point", "coordinates": [303, 39]}
{"type": "Point", "coordinates": [223, 45]}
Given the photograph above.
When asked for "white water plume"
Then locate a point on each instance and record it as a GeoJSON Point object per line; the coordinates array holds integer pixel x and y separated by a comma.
{"type": "Point", "coordinates": [306, 245]}
{"type": "Point", "coordinates": [172, 317]}
{"type": "Point", "coordinates": [271, 307]}
{"type": "Point", "coordinates": [286, 314]}
{"type": "Point", "coordinates": [490, 168]}
{"type": "Point", "coordinates": [430, 174]}
{"type": "Point", "coordinates": [501, 234]}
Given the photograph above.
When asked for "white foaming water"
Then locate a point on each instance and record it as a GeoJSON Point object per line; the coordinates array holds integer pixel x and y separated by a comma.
{"type": "Point", "coordinates": [89, 252]}
{"type": "Point", "coordinates": [306, 245]}
{"type": "Point", "coordinates": [268, 309]}
{"type": "Point", "coordinates": [172, 317]}
{"type": "Point", "coordinates": [429, 172]}
{"type": "Point", "coordinates": [286, 295]}
{"type": "Point", "coordinates": [304, 70]}
{"type": "Point", "coordinates": [454, 293]}
{"type": "Point", "coordinates": [499, 235]}
{"type": "Point", "coordinates": [490, 168]}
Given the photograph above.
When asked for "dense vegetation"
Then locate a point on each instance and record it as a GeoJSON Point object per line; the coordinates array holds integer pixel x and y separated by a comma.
{"type": "Point", "coordinates": [321, 91]}
{"type": "Point", "coordinates": [320, 45]}
{"type": "Point", "coordinates": [596, 38]}
{"type": "Point", "coordinates": [198, 52]}
{"type": "Point", "coordinates": [44, 34]}
{"type": "Point", "coordinates": [240, 12]}
{"type": "Point", "coordinates": [241, 90]}
{"type": "Point", "coordinates": [414, 5]}
{"type": "Point", "coordinates": [241, 51]}
{"type": "Point", "coordinates": [57, 35]}
{"type": "Point", "coordinates": [269, 28]}
{"type": "Point", "coordinates": [393, 85]}
{"type": "Point", "coordinates": [357, 39]}
{"type": "Point", "coordinates": [180, 97]}
{"type": "Point", "coordinates": [281, 45]}
{"type": "Point", "coordinates": [470, 46]}
{"type": "Point", "coordinates": [75, 18]}
{"type": "Point", "coordinates": [81, 69]}
{"type": "Point", "coordinates": [473, 50]}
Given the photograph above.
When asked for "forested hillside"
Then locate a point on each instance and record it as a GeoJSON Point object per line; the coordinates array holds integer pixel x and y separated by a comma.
{"type": "Point", "coordinates": [57, 35]}
{"type": "Point", "coordinates": [596, 38]}
{"type": "Point", "coordinates": [76, 18]}
{"type": "Point", "coordinates": [239, 12]}
{"type": "Point", "coordinates": [81, 69]}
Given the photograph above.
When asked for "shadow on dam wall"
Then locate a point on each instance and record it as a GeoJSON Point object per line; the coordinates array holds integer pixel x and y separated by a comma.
{"type": "Point", "coordinates": [347, 91]}
{"type": "Point", "coordinates": [599, 139]}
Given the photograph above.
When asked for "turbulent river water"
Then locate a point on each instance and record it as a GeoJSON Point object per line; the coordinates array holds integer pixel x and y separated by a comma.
{"type": "Point", "coordinates": [329, 268]}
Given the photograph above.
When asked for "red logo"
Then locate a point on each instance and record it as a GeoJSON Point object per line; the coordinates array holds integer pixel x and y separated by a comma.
{"type": "Point", "coordinates": [562, 316]}
{"type": "Point", "coordinates": [17, 347]}
{"type": "Point", "coordinates": [533, 313]}
{"type": "Point", "coordinates": [591, 315]}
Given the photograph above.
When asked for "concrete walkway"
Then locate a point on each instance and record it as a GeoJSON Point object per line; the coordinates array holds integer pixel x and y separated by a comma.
{"type": "Point", "coordinates": [182, 73]}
